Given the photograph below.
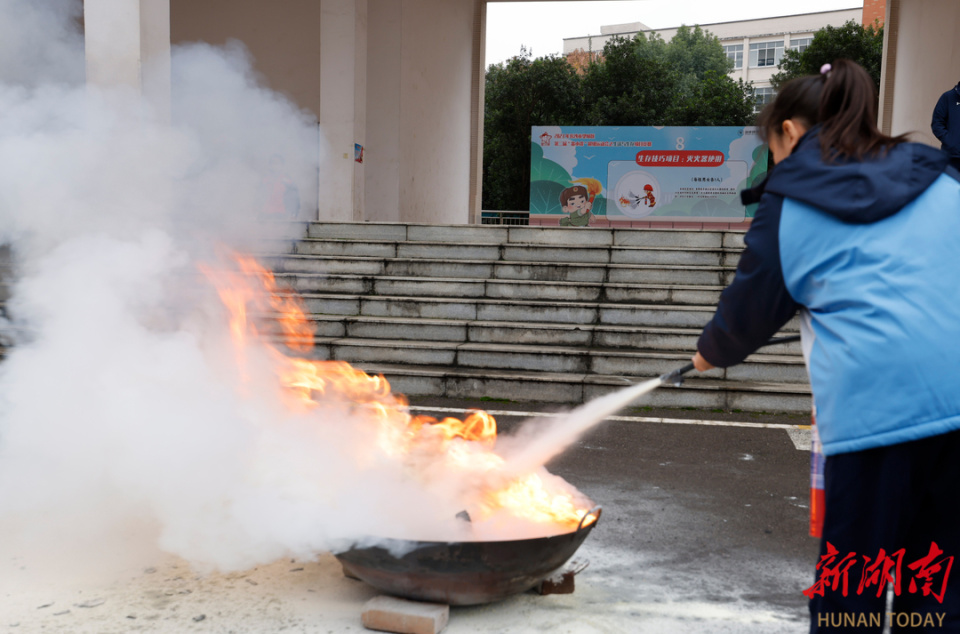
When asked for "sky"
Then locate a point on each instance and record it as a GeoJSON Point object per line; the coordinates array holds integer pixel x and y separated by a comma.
{"type": "Point", "coordinates": [542, 26]}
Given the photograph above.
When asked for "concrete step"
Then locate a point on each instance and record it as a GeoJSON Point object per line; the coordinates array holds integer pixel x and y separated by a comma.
{"type": "Point", "coordinates": [400, 330]}
{"type": "Point", "coordinates": [544, 270]}
{"type": "Point", "coordinates": [531, 253]}
{"type": "Point", "coordinates": [474, 309]}
{"type": "Point", "coordinates": [529, 313]}
{"type": "Point", "coordinates": [574, 388]}
{"type": "Point", "coordinates": [652, 292]}
{"type": "Point", "coordinates": [498, 235]}
{"type": "Point", "coordinates": [557, 359]}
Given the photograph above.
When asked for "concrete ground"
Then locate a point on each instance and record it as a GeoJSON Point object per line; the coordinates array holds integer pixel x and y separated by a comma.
{"type": "Point", "coordinates": [704, 530]}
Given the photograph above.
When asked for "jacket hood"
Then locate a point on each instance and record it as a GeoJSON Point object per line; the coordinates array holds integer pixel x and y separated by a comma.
{"type": "Point", "coordinates": [857, 191]}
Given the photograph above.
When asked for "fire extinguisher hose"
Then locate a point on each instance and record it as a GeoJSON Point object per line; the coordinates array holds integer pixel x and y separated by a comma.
{"type": "Point", "coordinates": [675, 377]}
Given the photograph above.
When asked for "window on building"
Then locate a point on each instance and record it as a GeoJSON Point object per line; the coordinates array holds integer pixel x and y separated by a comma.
{"type": "Point", "coordinates": [800, 45]}
{"type": "Point", "coordinates": [765, 54]}
{"type": "Point", "coordinates": [762, 96]}
{"type": "Point", "coordinates": [735, 53]}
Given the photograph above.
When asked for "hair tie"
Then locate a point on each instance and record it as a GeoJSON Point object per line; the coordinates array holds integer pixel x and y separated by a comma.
{"type": "Point", "coordinates": [826, 68]}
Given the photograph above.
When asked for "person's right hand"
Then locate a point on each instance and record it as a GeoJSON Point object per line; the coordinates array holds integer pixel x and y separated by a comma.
{"type": "Point", "coordinates": [701, 364]}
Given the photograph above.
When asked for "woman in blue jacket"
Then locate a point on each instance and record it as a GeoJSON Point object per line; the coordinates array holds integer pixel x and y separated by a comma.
{"type": "Point", "coordinates": [860, 232]}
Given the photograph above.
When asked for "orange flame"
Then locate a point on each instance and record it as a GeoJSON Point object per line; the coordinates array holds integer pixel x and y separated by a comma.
{"type": "Point", "coordinates": [467, 444]}
{"type": "Point", "coordinates": [593, 186]}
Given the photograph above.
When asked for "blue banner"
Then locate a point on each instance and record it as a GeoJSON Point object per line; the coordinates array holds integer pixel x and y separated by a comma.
{"type": "Point", "coordinates": [674, 174]}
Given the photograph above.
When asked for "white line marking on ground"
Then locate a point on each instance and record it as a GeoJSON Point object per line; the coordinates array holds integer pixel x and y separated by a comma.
{"type": "Point", "coordinates": [799, 434]}
{"type": "Point", "coordinates": [802, 437]}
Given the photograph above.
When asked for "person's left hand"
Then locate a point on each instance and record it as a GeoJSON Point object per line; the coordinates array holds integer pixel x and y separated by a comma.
{"type": "Point", "coordinates": [701, 364]}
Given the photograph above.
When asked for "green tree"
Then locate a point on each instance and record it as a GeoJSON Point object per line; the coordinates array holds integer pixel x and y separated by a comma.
{"type": "Point", "coordinates": [693, 53]}
{"type": "Point", "coordinates": [639, 81]}
{"type": "Point", "coordinates": [521, 93]}
{"type": "Point", "coordinates": [863, 45]}
{"type": "Point", "coordinates": [651, 46]}
{"type": "Point", "coordinates": [646, 81]}
{"type": "Point", "coordinates": [715, 100]}
{"type": "Point", "coordinates": [632, 85]}
{"type": "Point", "coordinates": [707, 95]}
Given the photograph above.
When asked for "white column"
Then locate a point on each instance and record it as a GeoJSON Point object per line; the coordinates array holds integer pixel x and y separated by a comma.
{"type": "Point", "coordinates": [127, 42]}
{"type": "Point", "coordinates": [888, 65]}
{"type": "Point", "coordinates": [476, 111]}
{"type": "Point", "coordinates": [382, 163]}
{"type": "Point", "coordinates": [360, 101]}
{"type": "Point", "coordinates": [436, 96]}
{"type": "Point", "coordinates": [425, 110]}
{"type": "Point", "coordinates": [921, 62]}
{"type": "Point", "coordinates": [343, 25]}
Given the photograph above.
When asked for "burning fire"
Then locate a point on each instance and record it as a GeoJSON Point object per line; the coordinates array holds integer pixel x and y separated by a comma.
{"type": "Point", "coordinates": [449, 444]}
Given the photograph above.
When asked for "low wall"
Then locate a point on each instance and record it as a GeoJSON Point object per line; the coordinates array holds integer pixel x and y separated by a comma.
{"type": "Point", "coordinates": [644, 224]}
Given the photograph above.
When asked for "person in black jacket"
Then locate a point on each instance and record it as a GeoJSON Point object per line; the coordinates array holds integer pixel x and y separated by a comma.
{"type": "Point", "coordinates": [946, 124]}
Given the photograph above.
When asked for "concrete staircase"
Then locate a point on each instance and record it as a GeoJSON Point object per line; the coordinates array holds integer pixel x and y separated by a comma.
{"type": "Point", "coordinates": [524, 313]}
{"type": "Point", "coordinates": [528, 313]}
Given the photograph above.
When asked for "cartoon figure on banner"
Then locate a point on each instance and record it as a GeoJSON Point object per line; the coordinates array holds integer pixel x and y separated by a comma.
{"type": "Point", "coordinates": [632, 204]}
{"type": "Point", "coordinates": [633, 201]}
{"type": "Point", "coordinates": [648, 198]}
{"type": "Point", "coordinates": [578, 201]}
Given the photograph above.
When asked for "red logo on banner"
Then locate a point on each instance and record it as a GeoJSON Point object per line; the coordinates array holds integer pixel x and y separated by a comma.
{"type": "Point", "coordinates": [931, 571]}
{"type": "Point", "coordinates": [681, 158]}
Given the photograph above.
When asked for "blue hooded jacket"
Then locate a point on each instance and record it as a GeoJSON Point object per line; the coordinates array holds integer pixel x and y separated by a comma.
{"type": "Point", "coordinates": [946, 121]}
{"type": "Point", "coordinates": [866, 250]}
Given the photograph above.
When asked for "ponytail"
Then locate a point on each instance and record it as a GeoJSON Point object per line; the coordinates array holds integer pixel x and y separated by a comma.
{"type": "Point", "coordinates": [843, 100]}
{"type": "Point", "coordinates": [848, 114]}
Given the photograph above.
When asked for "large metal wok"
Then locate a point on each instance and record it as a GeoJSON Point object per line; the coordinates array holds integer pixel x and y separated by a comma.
{"type": "Point", "coordinates": [465, 573]}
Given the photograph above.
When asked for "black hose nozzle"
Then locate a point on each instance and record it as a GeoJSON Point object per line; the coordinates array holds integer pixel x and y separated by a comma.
{"type": "Point", "coordinates": [675, 378]}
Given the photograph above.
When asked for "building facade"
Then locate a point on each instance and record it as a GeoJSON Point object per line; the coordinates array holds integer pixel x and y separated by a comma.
{"type": "Point", "coordinates": [755, 46]}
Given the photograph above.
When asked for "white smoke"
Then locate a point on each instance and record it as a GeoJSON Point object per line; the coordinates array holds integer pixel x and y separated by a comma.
{"type": "Point", "coordinates": [117, 405]}
{"type": "Point", "coordinates": [537, 442]}
{"type": "Point", "coordinates": [25, 63]}
{"type": "Point", "coordinates": [123, 409]}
